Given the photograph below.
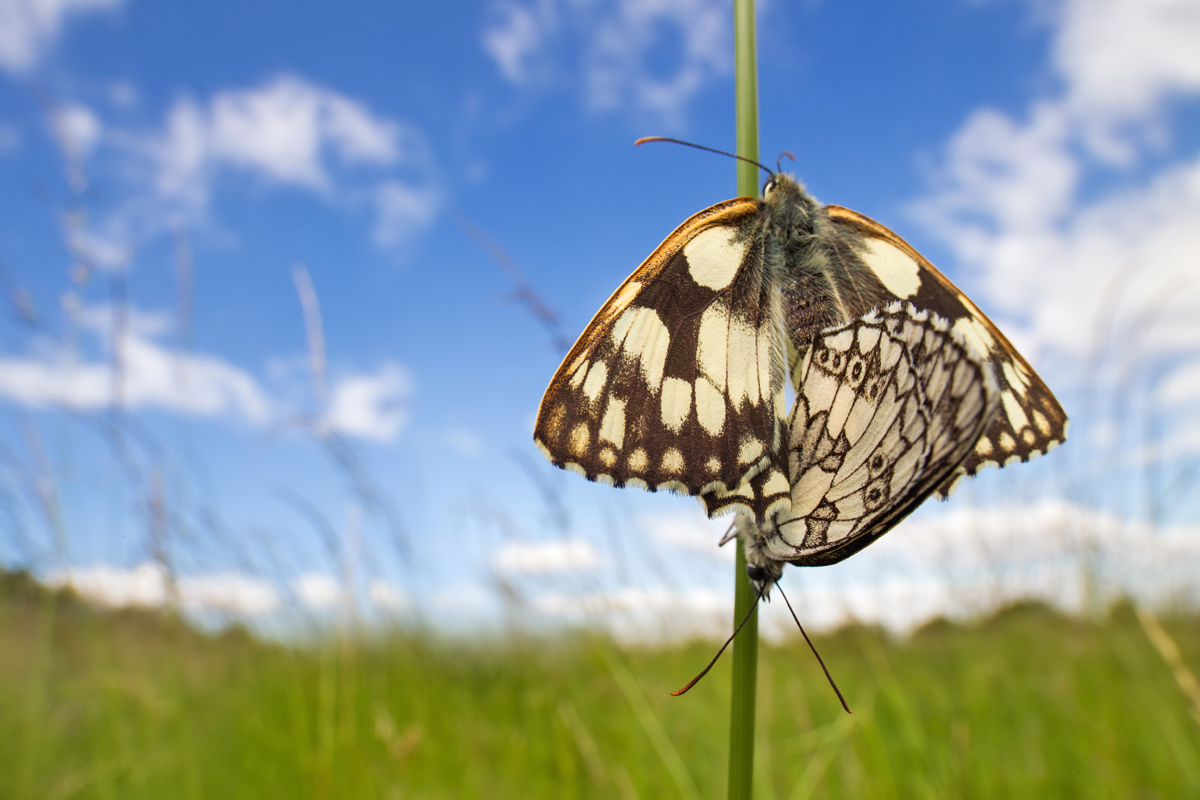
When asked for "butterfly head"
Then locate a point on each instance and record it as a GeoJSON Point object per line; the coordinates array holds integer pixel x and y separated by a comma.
{"type": "Point", "coordinates": [762, 567]}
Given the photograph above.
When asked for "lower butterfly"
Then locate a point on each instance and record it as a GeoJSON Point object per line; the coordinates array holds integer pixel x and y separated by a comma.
{"type": "Point", "coordinates": [887, 409]}
{"type": "Point", "coordinates": [903, 386]}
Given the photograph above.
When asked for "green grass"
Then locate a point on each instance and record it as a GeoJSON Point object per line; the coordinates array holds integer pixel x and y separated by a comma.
{"type": "Point", "coordinates": [1026, 704]}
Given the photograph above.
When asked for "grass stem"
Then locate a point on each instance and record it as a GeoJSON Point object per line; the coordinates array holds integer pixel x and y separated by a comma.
{"type": "Point", "coordinates": [745, 649]}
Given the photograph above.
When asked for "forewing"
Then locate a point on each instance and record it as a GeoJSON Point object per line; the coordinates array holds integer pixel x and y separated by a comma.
{"type": "Point", "coordinates": [677, 382]}
{"type": "Point", "coordinates": [1030, 421]}
{"type": "Point", "coordinates": [889, 406]}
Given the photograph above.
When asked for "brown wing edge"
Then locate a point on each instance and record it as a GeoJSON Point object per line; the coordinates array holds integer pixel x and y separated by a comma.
{"type": "Point", "coordinates": [869, 227]}
{"type": "Point", "coordinates": [736, 210]}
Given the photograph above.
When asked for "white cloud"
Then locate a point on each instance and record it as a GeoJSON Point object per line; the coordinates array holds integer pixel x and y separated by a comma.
{"type": "Point", "coordinates": [617, 72]}
{"type": "Point", "coordinates": [78, 129]}
{"type": "Point", "coordinates": [1183, 386]}
{"type": "Point", "coordinates": [29, 27]}
{"type": "Point", "coordinates": [370, 406]}
{"type": "Point", "coordinates": [611, 52]}
{"type": "Point", "coordinates": [228, 592]}
{"type": "Point", "coordinates": [147, 585]}
{"type": "Point", "coordinates": [690, 530]}
{"type": "Point", "coordinates": [151, 375]}
{"type": "Point", "coordinates": [516, 36]}
{"type": "Point", "coordinates": [1090, 268]}
{"type": "Point", "coordinates": [1122, 60]}
{"type": "Point", "coordinates": [542, 558]}
{"type": "Point", "coordinates": [286, 132]}
{"type": "Point", "coordinates": [281, 130]}
{"type": "Point", "coordinates": [388, 597]}
{"type": "Point", "coordinates": [143, 585]}
{"type": "Point", "coordinates": [317, 591]}
{"type": "Point", "coordinates": [402, 210]}
{"type": "Point", "coordinates": [961, 563]}
{"type": "Point", "coordinates": [154, 376]}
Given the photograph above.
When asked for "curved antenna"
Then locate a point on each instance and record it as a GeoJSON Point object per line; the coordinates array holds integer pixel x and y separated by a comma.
{"type": "Point", "coordinates": [704, 672]}
{"type": "Point", "coordinates": [787, 153]}
{"type": "Point", "coordinates": [815, 653]}
{"type": "Point", "coordinates": [645, 139]}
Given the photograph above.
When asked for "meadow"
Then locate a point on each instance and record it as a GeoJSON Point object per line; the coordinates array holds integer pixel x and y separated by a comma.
{"type": "Point", "coordinates": [1027, 703]}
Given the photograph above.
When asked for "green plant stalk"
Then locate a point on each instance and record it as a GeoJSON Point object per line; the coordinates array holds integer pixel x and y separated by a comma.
{"type": "Point", "coordinates": [745, 649]}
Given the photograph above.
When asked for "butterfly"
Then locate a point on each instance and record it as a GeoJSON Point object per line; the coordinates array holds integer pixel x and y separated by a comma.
{"type": "Point", "coordinates": [680, 380]}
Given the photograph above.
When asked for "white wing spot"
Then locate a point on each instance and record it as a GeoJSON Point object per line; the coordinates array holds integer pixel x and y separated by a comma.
{"type": "Point", "coordinates": [714, 465]}
{"type": "Point", "coordinates": [840, 341]}
{"type": "Point", "coordinates": [750, 452]}
{"type": "Point", "coordinates": [898, 272]}
{"type": "Point", "coordinates": [596, 378]}
{"type": "Point", "coordinates": [580, 439]}
{"type": "Point", "coordinates": [608, 457]}
{"type": "Point", "coordinates": [868, 337]}
{"type": "Point", "coordinates": [672, 462]}
{"type": "Point", "coordinates": [640, 333]}
{"type": "Point", "coordinates": [710, 407]}
{"type": "Point", "coordinates": [676, 403]}
{"type": "Point", "coordinates": [776, 484]}
{"type": "Point", "coordinates": [1015, 378]}
{"type": "Point", "coordinates": [638, 460]}
{"type": "Point", "coordinates": [808, 491]}
{"type": "Point", "coordinates": [613, 427]}
{"type": "Point", "coordinates": [714, 256]}
{"type": "Point", "coordinates": [1016, 414]}
{"type": "Point", "coordinates": [578, 375]}
{"type": "Point", "coordinates": [742, 360]}
{"type": "Point", "coordinates": [712, 346]}
{"type": "Point", "coordinates": [978, 338]}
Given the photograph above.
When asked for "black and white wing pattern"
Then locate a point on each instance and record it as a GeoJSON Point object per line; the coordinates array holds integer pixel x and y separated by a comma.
{"type": "Point", "coordinates": [888, 408]}
{"type": "Point", "coordinates": [678, 381]}
{"type": "Point", "coordinates": [1030, 421]}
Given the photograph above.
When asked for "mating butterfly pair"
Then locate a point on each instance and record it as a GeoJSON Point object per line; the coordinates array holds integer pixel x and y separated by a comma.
{"type": "Point", "coordinates": [902, 386]}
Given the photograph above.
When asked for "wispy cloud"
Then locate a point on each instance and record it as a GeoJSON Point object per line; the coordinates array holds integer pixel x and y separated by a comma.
{"type": "Point", "coordinates": [147, 375]}
{"type": "Point", "coordinates": [318, 591]}
{"type": "Point", "coordinates": [287, 133]}
{"type": "Point", "coordinates": [637, 56]}
{"type": "Point", "coordinates": [1078, 215]}
{"type": "Point", "coordinates": [29, 27]}
{"type": "Point", "coordinates": [147, 585]}
{"type": "Point", "coordinates": [543, 558]}
{"type": "Point", "coordinates": [369, 406]}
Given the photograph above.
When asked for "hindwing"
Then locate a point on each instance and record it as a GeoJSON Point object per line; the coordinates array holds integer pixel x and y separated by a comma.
{"type": "Point", "coordinates": [678, 381]}
{"type": "Point", "coordinates": [888, 407]}
{"type": "Point", "coordinates": [1030, 421]}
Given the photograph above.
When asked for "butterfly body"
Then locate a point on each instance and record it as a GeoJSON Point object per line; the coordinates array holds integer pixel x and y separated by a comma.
{"type": "Point", "coordinates": [678, 382]}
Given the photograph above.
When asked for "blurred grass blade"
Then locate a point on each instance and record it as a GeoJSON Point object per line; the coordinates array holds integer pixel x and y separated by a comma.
{"type": "Point", "coordinates": [651, 724]}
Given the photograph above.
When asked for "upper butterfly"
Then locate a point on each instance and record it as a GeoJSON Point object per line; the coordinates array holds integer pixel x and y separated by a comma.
{"type": "Point", "coordinates": [678, 382]}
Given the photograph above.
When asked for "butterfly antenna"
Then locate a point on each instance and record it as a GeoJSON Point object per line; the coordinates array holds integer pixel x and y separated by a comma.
{"type": "Point", "coordinates": [815, 653]}
{"type": "Point", "coordinates": [787, 153]}
{"type": "Point", "coordinates": [704, 672]}
{"type": "Point", "coordinates": [645, 139]}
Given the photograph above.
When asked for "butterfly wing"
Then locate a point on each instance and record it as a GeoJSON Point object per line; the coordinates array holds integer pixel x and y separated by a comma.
{"type": "Point", "coordinates": [889, 407]}
{"type": "Point", "coordinates": [1031, 422]}
{"type": "Point", "coordinates": [677, 382]}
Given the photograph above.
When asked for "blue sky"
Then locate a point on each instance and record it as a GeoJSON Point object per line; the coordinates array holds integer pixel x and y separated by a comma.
{"type": "Point", "coordinates": [173, 176]}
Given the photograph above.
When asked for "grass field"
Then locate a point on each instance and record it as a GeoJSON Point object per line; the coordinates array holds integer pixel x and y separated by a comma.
{"type": "Point", "coordinates": [1026, 704]}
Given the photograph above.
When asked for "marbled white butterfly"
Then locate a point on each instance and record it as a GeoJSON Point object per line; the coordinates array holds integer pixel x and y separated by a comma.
{"type": "Point", "coordinates": [678, 382]}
